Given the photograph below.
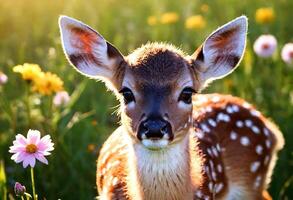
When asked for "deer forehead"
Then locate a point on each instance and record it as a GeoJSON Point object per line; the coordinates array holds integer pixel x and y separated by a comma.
{"type": "Point", "coordinates": [157, 67]}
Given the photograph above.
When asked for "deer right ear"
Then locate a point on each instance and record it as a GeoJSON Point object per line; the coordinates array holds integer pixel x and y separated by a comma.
{"type": "Point", "coordinates": [221, 52]}
{"type": "Point", "coordinates": [88, 51]}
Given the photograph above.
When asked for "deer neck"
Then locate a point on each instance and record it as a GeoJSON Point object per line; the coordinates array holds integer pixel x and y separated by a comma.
{"type": "Point", "coordinates": [164, 174]}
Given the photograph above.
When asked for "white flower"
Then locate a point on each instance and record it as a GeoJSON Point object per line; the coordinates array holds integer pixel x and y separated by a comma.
{"type": "Point", "coordinates": [265, 45]}
{"type": "Point", "coordinates": [61, 98]}
{"type": "Point", "coordinates": [287, 53]}
{"type": "Point", "coordinates": [3, 78]}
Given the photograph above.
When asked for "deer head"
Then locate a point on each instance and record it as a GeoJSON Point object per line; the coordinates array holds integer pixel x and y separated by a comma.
{"type": "Point", "coordinates": [156, 82]}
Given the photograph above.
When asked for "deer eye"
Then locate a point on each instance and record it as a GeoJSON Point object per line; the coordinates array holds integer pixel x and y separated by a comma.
{"type": "Point", "coordinates": [186, 95]}
{"type": "Point", "coordinates": [128, 95]}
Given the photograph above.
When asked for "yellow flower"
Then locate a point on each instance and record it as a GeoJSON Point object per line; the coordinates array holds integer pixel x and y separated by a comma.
{"type": "Point", "coordinates": [152, 20]}
{"type": "Point", "coordinates": [264, 15]}
{"type": "Point", "coordinates": [28, 71]}
{"type": "Point", "coordinates": [48, 83]}
{"type": "Point", "coordinates": [169, 18]}
{"type": "Point", "coordinates": [204, 8]}
{"type": "Point", "coordinates": [195, 22]}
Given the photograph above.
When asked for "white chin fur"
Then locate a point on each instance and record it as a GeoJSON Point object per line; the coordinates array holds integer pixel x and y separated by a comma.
{"type": "Point", "coordinates": [155, 144]}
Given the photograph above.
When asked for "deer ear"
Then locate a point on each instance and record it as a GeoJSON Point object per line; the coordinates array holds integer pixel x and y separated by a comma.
{"type": "Point", "coordinates": [222, 51]}
{"type": "Point", "coordinates": [87, 50]}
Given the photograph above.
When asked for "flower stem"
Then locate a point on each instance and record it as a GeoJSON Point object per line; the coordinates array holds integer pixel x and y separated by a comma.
{"type": "Point", "coordinates": [33, 183]}
{"type": "Point", "coordinates": [27, 104]}
{"type": "Point", "coordinates": [22, 198]}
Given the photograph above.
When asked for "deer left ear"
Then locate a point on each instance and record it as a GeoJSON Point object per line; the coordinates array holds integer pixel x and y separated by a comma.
{"type": "Point", "coordinates": [88, 51]}
{"type": "Point", "coordinates": [222, 51]}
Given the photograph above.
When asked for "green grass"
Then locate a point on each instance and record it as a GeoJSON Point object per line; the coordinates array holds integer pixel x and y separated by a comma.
{"type": "Point", "coordinates": [29, 33]}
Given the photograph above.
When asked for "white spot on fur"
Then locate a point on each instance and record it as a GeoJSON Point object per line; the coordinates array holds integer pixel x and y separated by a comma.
{"type": "Point", "coordinates": [259, 149]}
{"type": "Point", "coordinates": [235, 108]}
{"type": "Point", "coordinates": [205, 128]}
{"type": "Point", "coordinates": [239, 124]}
{"type": "Point", "coordinates": [244, 141]}
{"type": "Point", "coordinates": [198, 194]}
{"type": "Point", "coordinates": [211, 164]}
{"type": "Point", "coordinates": [268, 143]}
{"type": "Point", "coordinates": [220, 168]}
{"type": "Point", "coordinates": [209, 152]}
{"type": "Point", "coordinates": [266, 161]}
{"type": "Point", "coordinates": [255, 130]}
{"type": "Point", "coordinates": [229, 109]}
{"type": "Point", "coordinates": [255, 113]}
{"type": "Point", "coordinates": [257, 182]}
{"type": "Point", "coordinates": [211, 186]}
{"type": "Point", "coordinates": [266, 131]}
{"type": "Point", "coordinates": [214, 175]}
{"type": "Point", "coordinates": [215, 152]}
{"type": "Point", "coordinates": [248, 123]}
{"type": "Point", "coordinates": [212, 122]}
{"type": "Point", "coordinates": [233, 135]}
{"type": "Point", "coordinates": [254, 166]}
{"type": "Point", "coordinates": [218, 147]}
{"type": "Point", "coordinates": [200, 134]}
{"type": "Point", "coordinates": [219, 187]}
{"type": "Point", "coordinates": [207, 170]}
{"type": "Point", "coordinates": [223, 117]}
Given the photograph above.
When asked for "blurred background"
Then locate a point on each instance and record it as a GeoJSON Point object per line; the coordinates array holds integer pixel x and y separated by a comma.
{"type": "Point", "coordinates": [79, 114]}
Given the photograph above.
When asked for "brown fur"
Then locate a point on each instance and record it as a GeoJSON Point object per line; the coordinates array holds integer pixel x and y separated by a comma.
{"type": "Point", "coordinates": [234, 158]}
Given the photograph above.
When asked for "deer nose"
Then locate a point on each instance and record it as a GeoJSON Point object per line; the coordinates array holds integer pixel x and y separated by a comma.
{"type": "Point", "coordinates": [155, 129]}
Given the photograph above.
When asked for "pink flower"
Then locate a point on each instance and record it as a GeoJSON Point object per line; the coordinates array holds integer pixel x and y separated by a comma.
{"type": "Point", "coordinates": [265, 45]}
{"type": "Point", "coordinates": [61, 98]}
{"type": "Point", "coordinates": [287, 53]}
{"type": "Point", "coordinates": [3, 78]}
{"type": "Point", "coordinates": [27, 150]}
{"type": "Point", "coordinates": [19, 189]}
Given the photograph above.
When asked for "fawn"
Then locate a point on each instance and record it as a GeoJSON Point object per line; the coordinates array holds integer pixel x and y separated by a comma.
{"type": "Point", "coordinates": [174, 143]}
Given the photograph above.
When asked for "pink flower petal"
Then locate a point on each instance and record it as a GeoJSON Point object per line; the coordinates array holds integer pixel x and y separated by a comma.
{"type": "Point", "coordinates": [15, 149]}
{"type": "Point", "coordinates": [45, 146]}
{"type": "Point", "coordinates": [41, 158]}
{"type": "Point", "coordinates": [21, 139]}
{"type": "Point", "coordinates": [45, 153]}
{"type": "Point", "coordinates": [32, 161]}
{"type": "Point", "coordinates": [18, 157]}
{"type": "Point", "coordinates": [46, 139]}
{"type": "Point", "coordinates": [33, 136]}
{"type": "Point", "coordinates": [25, 162]}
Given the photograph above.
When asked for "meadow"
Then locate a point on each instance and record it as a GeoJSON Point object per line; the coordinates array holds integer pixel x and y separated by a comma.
{"type": "Point", "coordinates": [78, 127]}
